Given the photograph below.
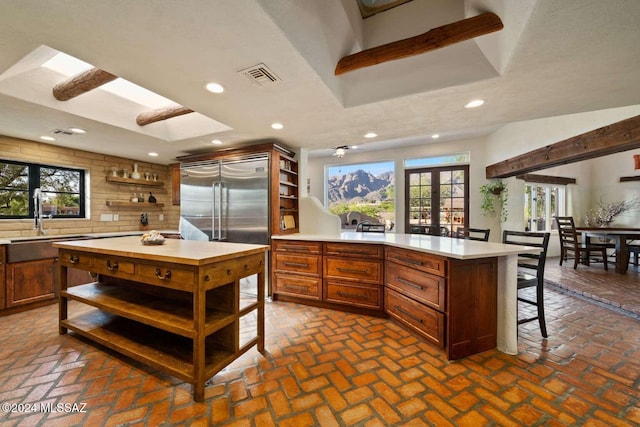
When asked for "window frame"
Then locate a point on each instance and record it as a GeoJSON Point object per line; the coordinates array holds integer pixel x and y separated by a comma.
{"type": "Point", "coordinates": [529, 201]}
{"type": "Point", "coordinates": [34, 181]}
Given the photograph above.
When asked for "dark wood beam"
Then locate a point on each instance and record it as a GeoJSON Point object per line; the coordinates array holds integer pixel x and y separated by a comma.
{"type": "Point", "coordinates": [152, 116]}
{"type": "Point", "coordinates": [433, 39]}
{"type": "Point", "coordinates": [614, 138]}
{"type": "Point", "coordinates": [81, 83]}
{"type": "Point", "coordinates": [546, 179]}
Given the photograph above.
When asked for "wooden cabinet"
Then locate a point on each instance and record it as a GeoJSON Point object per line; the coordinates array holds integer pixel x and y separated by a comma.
{"type": "Point", "coordinates": [182, 315]}
{"type": "Point", "coordinates": [174, 169]}
{"type": "Point", "coordinates": [30, 281]}
{"type": "Point", "coordinates": [452, 303]}
{"type": "Point", "coordinates": [334, 275]}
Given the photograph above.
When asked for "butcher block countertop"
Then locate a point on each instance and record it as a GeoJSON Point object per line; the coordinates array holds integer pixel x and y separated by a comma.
{"type": "Point", "coordinates": [189, 252]}
{"type": "Point", "coordinates": [435, 245]}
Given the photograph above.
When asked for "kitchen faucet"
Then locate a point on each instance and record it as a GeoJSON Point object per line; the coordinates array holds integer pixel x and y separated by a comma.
{"type": "Point", "coordinates": [37, 212]}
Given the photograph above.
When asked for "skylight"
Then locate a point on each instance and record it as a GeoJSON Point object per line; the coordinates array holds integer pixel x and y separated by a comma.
{"type": "Point", "coordinates": [70, 66]}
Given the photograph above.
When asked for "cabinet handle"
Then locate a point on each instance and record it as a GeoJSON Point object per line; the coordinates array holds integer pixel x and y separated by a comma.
{"type": "Point", "coordinates": [167, 274]}
{"type": "Point", "coordinates": [296, 248]}
{"type": "Point", "coordinates": [351, 270]}
{"type": "Point", "coordinates": [409, 260]}
{"type": "Point", "coordinates": [405, 312]}
{"type": "Point", "coordinates": [350, 295]}
{"type": "Point", "coordinates": [408, 283]}
{"type": "Point", "coordinates": [112, 267]}
{"type": "Point", "coordinates": [207, 278]}
{"type": "Point", "coordinates": [296, 287]}
{"type": "Point", "coordinates": [353, 252]}
{"type": "Point", "coordinates": [74, 259]}
{"type": "Point", "coordinates": [295, 264]}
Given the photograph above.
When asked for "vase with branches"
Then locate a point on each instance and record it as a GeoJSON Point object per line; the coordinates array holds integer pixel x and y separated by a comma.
{"type": "Point", "coordinates": [604, 213]}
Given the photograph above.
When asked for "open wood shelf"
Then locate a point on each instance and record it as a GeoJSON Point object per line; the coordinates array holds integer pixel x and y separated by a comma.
{"type": "Point", "coordinates": [162, 313]}
{"type": "Point", "coordinates": [125, 204]}
{"type": "Point", "coordinates": [629, 178]}
{"type": "Point", "coordinates": [169, 352]}
{"type": "Point", "coordinates": [131, 181]}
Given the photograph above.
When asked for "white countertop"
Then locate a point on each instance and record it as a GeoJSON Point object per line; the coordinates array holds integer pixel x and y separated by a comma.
{"type": "Point", "coordinates": [443, 246]}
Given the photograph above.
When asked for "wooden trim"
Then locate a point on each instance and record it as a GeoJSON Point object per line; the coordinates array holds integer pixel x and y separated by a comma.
{"type": "Point", "coordinates": [614, 138]}
{"type": "Point", "coordinates": [81, 83]}
{"type": "Point", "coordinates": [629, 178]}
{"type": "Point", "coordinates": [433, 39]}
{"type": "Point", "coordinates": [546, 179]}
{"type": "Point", "coordinates": [152, 116]}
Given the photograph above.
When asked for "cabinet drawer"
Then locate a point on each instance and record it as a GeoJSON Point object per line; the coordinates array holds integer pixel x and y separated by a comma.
{"type": "Point", "coordinates": [298, 286]}
{"type": "Point", "coordinates": [358, 295]}
{"type": "Point", "coordinates": [301, 264]}
{"type": "Point", "coordinates": [297, 246]}
{"type": "Point", "coordinates": [354, 269]}
{"type": "Point", "coordinates": [166, 276]}
{"type": "Point", "coordinates": [218, 274]}
{"type": "Point", "coordinates": [75, 259]}
{"type": "Point", "coordinates": [424, 287]}
{"type": "Point", "coordinates": [354, 250]}
{"type": "Point", "coordinates": [418, 260]}
{"type": "Point", "coordinates": [112, 266]}
{"type": "Point", "coordinates": [422, 319]}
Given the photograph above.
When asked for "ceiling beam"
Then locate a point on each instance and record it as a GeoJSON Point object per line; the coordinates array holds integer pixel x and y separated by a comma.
{"type": "Point", "coordinates": [546, 179]}
{"type": "Point", "coordinates": [81, 83]}
{"type": "Point", "coordinates": [433, 39]}
{"type": "Point", "coordinates": [152, 116]}
{"type": "Point", "coordinates": [614, 138]}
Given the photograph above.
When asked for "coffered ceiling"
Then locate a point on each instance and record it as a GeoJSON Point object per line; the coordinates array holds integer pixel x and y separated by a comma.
{"type": "Point", "coordinates": [551, 58]}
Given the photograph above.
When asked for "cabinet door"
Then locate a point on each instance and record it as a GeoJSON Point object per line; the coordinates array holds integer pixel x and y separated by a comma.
{"type": "Point", "coordinates": [30, 281]}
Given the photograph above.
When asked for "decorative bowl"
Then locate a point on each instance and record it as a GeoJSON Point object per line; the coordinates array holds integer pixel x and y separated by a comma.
{"type": "Point", "coordinates": [152, 242]}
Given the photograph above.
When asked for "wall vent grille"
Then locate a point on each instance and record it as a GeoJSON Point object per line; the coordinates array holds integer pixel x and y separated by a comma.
{"type": "Point", "coordinates": [62, 132]}
{"type": "Point", "coordinates": [260, 75]}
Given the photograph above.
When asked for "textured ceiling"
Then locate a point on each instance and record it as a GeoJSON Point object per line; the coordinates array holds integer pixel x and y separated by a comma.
{"type": "Point", "coordinates": [552, 58]}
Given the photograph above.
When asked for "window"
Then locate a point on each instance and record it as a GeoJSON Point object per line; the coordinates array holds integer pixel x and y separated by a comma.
{"type": "Point", "coordinates": [437, 199]}
{"type": "Point", "coordinates": [447, 159]}
{"type": "Point", "coordinates": [362, 192]}
{"type": "Point", "coordinates": [62, 190]}
{"type": "Point", "coordinates": [543, 202]}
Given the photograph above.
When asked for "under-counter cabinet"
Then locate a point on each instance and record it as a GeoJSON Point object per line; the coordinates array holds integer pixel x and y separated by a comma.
{"type": "Point", "coordinates": [450, 302]}
{"type": "Point", "coordinates": [176, 307]}
{"type": "Point", "coordinates": [30, 281]}
{"type": "Point", "coordinates": [297, 270]}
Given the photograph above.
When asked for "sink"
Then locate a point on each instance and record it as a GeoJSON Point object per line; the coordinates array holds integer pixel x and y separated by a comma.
{"type": "Point", "coordinates": [30, 249]}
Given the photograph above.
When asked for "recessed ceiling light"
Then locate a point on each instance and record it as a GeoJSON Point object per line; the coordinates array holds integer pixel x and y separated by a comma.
{"type": "Point", "coordinates": [370, 135]}
{"type": "Point", "coordinates": [277, 126]}
{"type": "Point", "coordinates": [47, 138]}
{"type": "Point", "coordinates": [216, 142]}
{"type": "Point", "coordinates": [78, 130]}
{"type": "Point", "coordinates": [435, 136]}
{"type": "Point", "coordinates": [475, 103]}
{"type": "Point", "coordinates": [354, 147]}
{"type": "Point", "coordinates": [152, 154]}
{"type": "Point", "coordinates": [214, 87]}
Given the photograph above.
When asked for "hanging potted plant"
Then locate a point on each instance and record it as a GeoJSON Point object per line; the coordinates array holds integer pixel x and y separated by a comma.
{"type": "Point", "coordinates": [495, 195]}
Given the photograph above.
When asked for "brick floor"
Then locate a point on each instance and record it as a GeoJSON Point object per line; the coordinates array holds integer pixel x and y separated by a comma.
{"type": "Point", "coordinates": [327, 368]}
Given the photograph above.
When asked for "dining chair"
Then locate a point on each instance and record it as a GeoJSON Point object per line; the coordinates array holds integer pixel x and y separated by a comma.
{"type": "Point", "coordinates": [570, 241]}
{"type": "Point", "coordinates": [531, 271]}
{"type": "Point", "coordinates": [481, 234]}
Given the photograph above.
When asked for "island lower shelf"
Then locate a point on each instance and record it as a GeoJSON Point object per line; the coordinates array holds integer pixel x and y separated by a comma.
{"type": "Point", "coordinates": [160, 349]}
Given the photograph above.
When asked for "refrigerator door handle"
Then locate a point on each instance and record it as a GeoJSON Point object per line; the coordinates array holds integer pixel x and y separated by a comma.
{"type": "Point", "coordinates": [215, 217]}
{"type": "Point", "coordinates": [222, 221]}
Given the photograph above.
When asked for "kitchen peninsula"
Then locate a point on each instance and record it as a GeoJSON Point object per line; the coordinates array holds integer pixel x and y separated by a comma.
{"type": "Point", "coordinates": [175, 306]}
{"type": "Point", "coordinates": [458, 294]}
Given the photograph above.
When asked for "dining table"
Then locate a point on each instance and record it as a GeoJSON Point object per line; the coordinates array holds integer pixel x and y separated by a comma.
{"type": "Point", "coordinates": [620, 235]}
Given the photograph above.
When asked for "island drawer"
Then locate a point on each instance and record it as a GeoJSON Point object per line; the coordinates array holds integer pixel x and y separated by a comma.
{"type": "Point", "coordinates": [166, 275]}
{"type": "Point", "coordinates": [369, 270]}
{"type": "Point", "coordinates": [75, 259]}
{"type": "Point", "coordinates": [112, 266]}
{"type": "Point", "coordinates": [422, 319]}
{"type": "Point", "coordinates": [418, 260]}
{"type": "Point", "coordinates": [354, 250]}
{"type": "Point", "coordinates": [423, 287]}
{"type": "Point", "coordinates": [357, 295]}
{"type": "Point", "coordinates": [298, 286]}
{"type": "Point", "coordinates": [300, 264]}
{"type": "Point", "coordinates": [297, 246]}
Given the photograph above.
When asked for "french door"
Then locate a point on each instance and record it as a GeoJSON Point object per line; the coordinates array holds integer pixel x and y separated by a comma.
{"type": "Point", "coordinates": [437, 200]}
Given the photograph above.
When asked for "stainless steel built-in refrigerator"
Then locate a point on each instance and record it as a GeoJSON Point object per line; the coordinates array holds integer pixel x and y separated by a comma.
{"type": "Point", "coordinates": [226, 200]}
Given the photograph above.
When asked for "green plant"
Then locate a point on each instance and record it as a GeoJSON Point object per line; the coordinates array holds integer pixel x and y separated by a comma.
{"type": "Point", "coordinates": [495, 195]}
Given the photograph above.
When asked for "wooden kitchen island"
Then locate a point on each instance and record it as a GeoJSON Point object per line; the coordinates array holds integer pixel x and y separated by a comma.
{"type": "Point", "coordinates": [176, 306]}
